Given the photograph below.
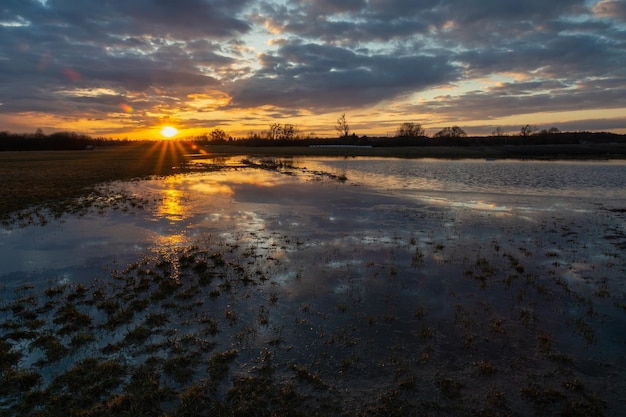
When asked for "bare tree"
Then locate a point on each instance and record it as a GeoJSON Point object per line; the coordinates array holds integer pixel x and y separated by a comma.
{"type": "Point", "coordinates": [288, 132]}
{"type": "Point", "coordinates": [498, 132]}
{"type": "Point", "coordinates": [411, 130]}
{"type": "Point", "coordinates": [451, 132]}
{"type": "Point", "coordinates": [551, 131]}
{"type": "Point", "coordinates": [218, 135]}
{"type": "Point", "coordinates": [527, 130]}
{"type": "Point", "coordinates": [342, 126]}
{"type": "Point", "coordinates": [275, 131]}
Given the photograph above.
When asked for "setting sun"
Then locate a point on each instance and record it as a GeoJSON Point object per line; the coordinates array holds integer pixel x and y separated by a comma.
{"type": "Point", "coordinates": [169, 131]}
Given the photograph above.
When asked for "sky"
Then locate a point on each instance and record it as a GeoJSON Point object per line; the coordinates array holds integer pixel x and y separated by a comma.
{"type": "Point", "coordinates": [126, 68]}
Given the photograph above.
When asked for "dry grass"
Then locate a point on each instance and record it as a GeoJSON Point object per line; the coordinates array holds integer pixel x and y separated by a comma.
{"type": "Point", "coordinates": [43, 177]}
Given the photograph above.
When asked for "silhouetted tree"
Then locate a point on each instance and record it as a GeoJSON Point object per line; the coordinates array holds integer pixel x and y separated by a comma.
{"type": "Point", "coordinates": [411, 130]}
{"type": "Point", "coordinates": [54, 141]}
{"type": "Point", "coordinates": [218, 135]}
{"type": "Point", "coordinates": [527, 130]}
{"type": "Point", "coordinates": [451, 132]}
{"type": "Point", "coordinates": [274, 132]}
{"type": "Point", "coordinates": [498, 132]}
{"type": "Point", "coordinates": [288, 132]}
{"type": "Point", "coordinates": [342, 127]}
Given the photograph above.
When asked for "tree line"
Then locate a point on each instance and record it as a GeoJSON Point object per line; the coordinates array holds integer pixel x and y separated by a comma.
{"type": "Point", "coordinates": [407, 134]}
{"type": "Point", "coordinates": [55, 141]}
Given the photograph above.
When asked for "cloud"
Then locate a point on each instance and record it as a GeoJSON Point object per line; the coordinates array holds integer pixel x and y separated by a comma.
{"type": "Point", "coordinates": [526, 98]}
{"type": "Point", "coordinates": [321, 77]}
{"type": "Point", "coordinates": [124, 46]}
{"type": "Point", "coordinates": [166, 18]}
{"type": "Point", "coordinates": [430, 43]}
{"type": "Point", "coordinates": [330, 7]}
{"type": "Point", "coordinates": [611, 8]}
{"type": "Point", "coordinates": [309, 57]}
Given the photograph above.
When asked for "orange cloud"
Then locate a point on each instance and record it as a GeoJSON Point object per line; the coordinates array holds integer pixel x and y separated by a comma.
{"type": "Point", "coordinates": [71, 74]}
{"type": "Point", "coordinates": [126, 108]}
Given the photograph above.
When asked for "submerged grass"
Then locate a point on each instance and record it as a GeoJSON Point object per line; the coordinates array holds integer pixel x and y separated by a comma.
{"type": "Point", "coordinates": [110, 358]}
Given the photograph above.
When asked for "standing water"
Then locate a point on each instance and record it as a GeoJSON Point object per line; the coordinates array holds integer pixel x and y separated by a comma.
{"type": "Point", "coordinates": [362, 285]}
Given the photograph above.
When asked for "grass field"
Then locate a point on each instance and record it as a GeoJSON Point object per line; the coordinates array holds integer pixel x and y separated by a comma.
{"type": "Point", "coordinates": [52, 178]}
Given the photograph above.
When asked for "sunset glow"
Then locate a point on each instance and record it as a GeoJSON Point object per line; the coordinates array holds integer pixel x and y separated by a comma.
{"type": "Point", "coordinates": [169, 131]}
{"type": "Point", "coordinates": [242, 66]}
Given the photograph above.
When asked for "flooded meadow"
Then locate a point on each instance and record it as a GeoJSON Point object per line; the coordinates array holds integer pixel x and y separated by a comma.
{"type": "Point", "coordinates": [324, 286]}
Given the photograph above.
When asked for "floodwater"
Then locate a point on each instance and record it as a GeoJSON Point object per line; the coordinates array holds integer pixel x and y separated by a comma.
{"type": "Point", "coordinates": [484, 283]}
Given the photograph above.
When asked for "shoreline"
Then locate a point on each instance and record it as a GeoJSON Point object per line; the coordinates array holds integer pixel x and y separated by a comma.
{"type": "Point", "coordinates": [608, 151]}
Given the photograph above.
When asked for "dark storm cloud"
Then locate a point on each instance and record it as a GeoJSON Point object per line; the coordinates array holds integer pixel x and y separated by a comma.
{"type": "Point", "coordinates": [422, 44]}
{"type": "Point", "coordinates": [527, 98]}
{"type": "Point", "coordinates": [317, 76]}
{"type": "Point", "coordinates": [119, 45]}
{"type": "Point", "coordinates": [358, 21]}
{"type": "Point", "coordinates": [331, 6]}
{"type": "Point", "coordinates": [566, 56]}
{"type": "Point", "coordinates": [349, 22]}
{"type": "Point", "coordinates": [159, 17]}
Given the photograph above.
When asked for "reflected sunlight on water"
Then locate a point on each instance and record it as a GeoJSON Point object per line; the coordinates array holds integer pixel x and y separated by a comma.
{"type": "Point", "coordinates": [170, 240]}
{"type": "Point", "coordinates": [171, 207]}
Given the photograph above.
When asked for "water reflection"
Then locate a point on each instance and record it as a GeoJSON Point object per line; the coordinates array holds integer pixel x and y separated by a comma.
{"type": "Point", "coordinates": [236, 202]}
{"type": "Point", "coordinates": [509, 177]}
{"type": "Point", "coordinates": [171, 206]}
{"type": "Point", "coordinates": [372, 284]}
{"type": "Point", "coordinates": [470, 204]}
{"type": "Point", "coordinates": [182, 195]}
{"type": "Point", "coordinates": [214, 188]}
{"type": "Point", "coordinates": [170, 240]}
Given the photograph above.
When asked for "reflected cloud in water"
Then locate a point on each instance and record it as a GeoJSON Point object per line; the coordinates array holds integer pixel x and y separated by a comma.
{"type": "Point", "coordinates": [238, 203]}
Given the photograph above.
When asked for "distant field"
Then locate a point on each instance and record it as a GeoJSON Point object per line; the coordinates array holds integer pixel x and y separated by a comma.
{"type": "Point", "coordinates": [47, 177]}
